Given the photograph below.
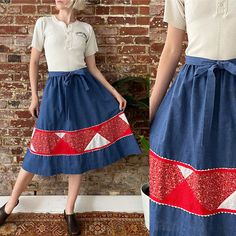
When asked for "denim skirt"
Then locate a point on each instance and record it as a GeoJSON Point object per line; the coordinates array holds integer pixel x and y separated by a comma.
{"type": "Point", "coordinates": [80, 127]}
{"type": "Point", "coordinates": [193, 152]}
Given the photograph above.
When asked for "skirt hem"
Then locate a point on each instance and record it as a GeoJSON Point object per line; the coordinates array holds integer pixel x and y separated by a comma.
{"type": "Point", "coordinates": [40, 165]}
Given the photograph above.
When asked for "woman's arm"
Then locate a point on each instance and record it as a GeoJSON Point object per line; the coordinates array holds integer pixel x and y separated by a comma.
{"type": "Point", "coordinates": [33, 74]}
{"type": "Point", "coordinates": [167, 65]}
{"type": "Point", "coordinates": [91, 64]}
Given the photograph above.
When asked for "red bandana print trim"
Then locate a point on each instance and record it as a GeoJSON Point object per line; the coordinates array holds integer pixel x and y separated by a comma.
{"type": "Point", "coordinates": [61, 142]}
{"type": "Point", "coordinates": [200, 192]}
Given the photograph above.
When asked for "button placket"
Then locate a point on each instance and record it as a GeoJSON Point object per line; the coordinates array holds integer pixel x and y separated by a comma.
{"type": "Point", "coordinates": [68, 32]}
{"type": "Point", "coordinates": [222, 7]}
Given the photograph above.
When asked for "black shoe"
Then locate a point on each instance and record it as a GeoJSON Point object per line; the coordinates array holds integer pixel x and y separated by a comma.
{"type": "Point", "coordinates": [73, 226]}
{"type": "Point", "coordinates": [3, 214]}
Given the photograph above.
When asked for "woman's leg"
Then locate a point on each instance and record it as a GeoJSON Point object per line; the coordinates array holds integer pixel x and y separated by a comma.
{"type": "Point", "coordinates": [73, 190]}
{"type": "Point", "coordinates": [23, 179]}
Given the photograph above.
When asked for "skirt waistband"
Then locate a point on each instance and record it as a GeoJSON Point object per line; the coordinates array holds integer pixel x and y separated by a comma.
{"type": "Point", "coordinates": [203, 61]}
{"type": "Point", "coordinates": [207, 66]}
{"type": "Point", "coordinates": [68, 76]}
{"type": "Point", "coordinates": [81, 71]}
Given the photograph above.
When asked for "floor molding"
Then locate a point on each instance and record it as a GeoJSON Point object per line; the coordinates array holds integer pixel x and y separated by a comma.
{"type": "Point", "coordinates": [56, 204]}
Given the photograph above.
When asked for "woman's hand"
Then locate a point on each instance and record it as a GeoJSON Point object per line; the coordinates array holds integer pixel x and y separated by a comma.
{"type": "Point", "coordinates": [91, 64]}
{"type": "Point", "coordinates": [121, 101]}
{"type": "Point", "coordinates": [34, 107]}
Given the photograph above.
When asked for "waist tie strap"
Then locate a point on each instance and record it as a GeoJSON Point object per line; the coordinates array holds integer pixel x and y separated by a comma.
{"type": "Point", "coordinates": [69, 76]}
{"type": "Point", "coordinates": [207, 67]}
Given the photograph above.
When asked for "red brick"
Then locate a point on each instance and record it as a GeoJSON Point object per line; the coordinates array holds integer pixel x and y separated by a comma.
{"type": "Point", "coordinates": [128, 59]}
{"type": "Point", "coordinates": [144, 59]}
{"type": "Point", "coordinates": [7, 20]}
{"type": "Point", "coordinates": [13, 67]}
{"type": "Point", "coordinates": [143, 21]}
{"type": "Point", "coordinates": [115, 2]}
{"type": "Point", "coordinates": [131, 10]}
{"type": "Point", "coordinates": [108, 49]}
{"type": "Point", "coordinates": [133, 31]}
{"type": "Point", "coordinates": [141, 40]}
{"type": "Point", "coordinates": [48, 1]}
{"type": "Point", "coordinates": [26, 19]}
{"type": "Point", "coordinates": [14, 9]}
{"type": "Point", "coordinates": [111, 40]}
{"type": "Point", "coordinates": [156, 10]}
{"type": "Point", "coordinates": [106, 31]}
{"type": "Point", "coordinates": [89, 10]}
{"type": "Point", "coordinates": [93, 20]}
{"type": "Point", "coordinates": [25, 1]}
{"type": "Point", "coordinates": [117, 10]}
{"type": "Point", "coordinates": [6, 94]}
{"type": "Point", "coordinates": [23, 114]}
{"type": "Point", "coordinates": [156, 22]}
{"type": "Point", "coordinates": [43, 9]}
{"type": "Point", "coordinates": [102, 10]}
{"type": "Point", "coordinates": [141, 2]}
{"type": "Point", "coordinates": [16, 150]}
{"type": "Point", "coordinates": [6, 76]}
{"type": "Point", "coordinates": [125, 40]}
{"type": "Point", "coordinates": [12, 141]}
{"type": "Point", "coordinates": [29, 9]}
{"type": "Point", "coordinates": [11, 85]}
{"type": "Point", "coordinates": [144, 10]}
{"type": "Point", "coordinates": [13, 29]}
{"type": "Point", "coordinates": [121, 20]}
{"type": "Point", "coordinates": [132, 49]}
{"type": "Point", "coordinates": [100, 59]}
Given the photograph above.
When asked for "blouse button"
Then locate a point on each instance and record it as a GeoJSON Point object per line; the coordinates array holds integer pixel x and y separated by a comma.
{"type": "Point", "coordinates": [221, 7]}
{"type": "Point", "coordinates": [220, 3]}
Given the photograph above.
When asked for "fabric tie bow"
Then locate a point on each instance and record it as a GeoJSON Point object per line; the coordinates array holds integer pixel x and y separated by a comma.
{"type": "Point", "coordinates": [208, 68]}
{"type": "Point", "coordinates": [81, 73]}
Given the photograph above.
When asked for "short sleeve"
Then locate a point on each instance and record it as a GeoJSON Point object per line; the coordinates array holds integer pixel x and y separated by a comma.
{"type": "Point", "coordinates": [174, 13]}
{"type": "Point", "coordinates": [91, 44]}
{"type": "Point", "coordinates": [38, 35]}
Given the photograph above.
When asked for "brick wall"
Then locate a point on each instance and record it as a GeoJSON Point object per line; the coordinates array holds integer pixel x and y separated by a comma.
{"type": "Point", "coordinates": [157, 33]}
{"type": "Point", "coordinates": [121, 28]}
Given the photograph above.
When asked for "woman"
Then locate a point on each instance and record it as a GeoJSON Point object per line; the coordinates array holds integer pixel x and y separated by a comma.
{"type": "Point", "coordinates": [81, 123]}
{"type": "Point", "coordinates": [192, 156]}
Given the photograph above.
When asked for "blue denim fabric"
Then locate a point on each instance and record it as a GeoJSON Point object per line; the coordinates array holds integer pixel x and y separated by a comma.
{"type": "Point", "coordinates": [74, 100]}
{"type": "Point", "coordinates": [170, 221]}
{"type": "Point", "coordinates": [196, 121]}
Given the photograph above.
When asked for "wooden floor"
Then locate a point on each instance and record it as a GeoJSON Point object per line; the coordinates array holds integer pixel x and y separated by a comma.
{"type": "Point", "coordinates": [92, 224]}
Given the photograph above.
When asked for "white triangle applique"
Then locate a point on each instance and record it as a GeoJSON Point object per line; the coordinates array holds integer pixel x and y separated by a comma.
{"type": "Point", "coordinates": [123, 117]}
{"type": "Point", "coordinates": [230, 202]}
{"type": "Point", "coordinates": [97, 141]}
{"type": "Point", "coordinates": [32, 147]}
{"type": "Point", "coordinates": [33, 132]}
{"type": "Point", "coordinates": [60, 134]}
{"type": "Point", "coordinates": [185, 171]}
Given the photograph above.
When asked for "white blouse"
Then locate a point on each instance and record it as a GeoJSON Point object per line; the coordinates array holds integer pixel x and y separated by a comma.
{"type": "Point", "coordinates": [210, 26]}
{"type": "Point", "coordinates": [65, 46]}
